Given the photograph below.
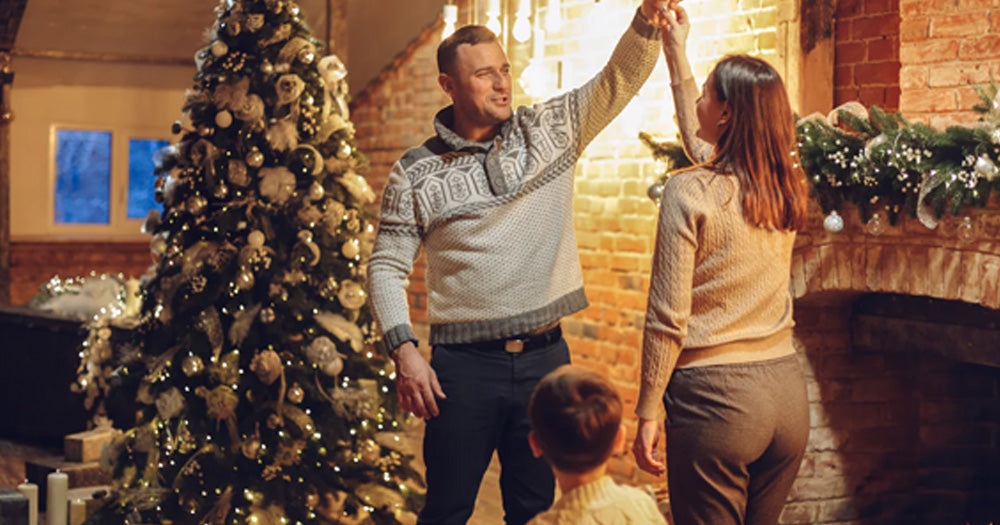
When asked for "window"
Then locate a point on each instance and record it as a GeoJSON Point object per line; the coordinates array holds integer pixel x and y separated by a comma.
{"type": "Point", "coordinates": [103, 180]}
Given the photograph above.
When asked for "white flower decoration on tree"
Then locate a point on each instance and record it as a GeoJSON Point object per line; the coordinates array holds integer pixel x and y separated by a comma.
{"type": "Point", "coordinates": [283, 135]}
{"type": "Point", "coordinates": [338, 326]}
{"type": "Point", "coordinates": [323, 353]}
{"type": "Point", "coordinates": [358, 187]}
{"type": "Point", "coordinates": [170, 404]}
{"type": "Point", "coordinates": [289, 88]}
{"type": "Point", "coordinates": [276, 184]}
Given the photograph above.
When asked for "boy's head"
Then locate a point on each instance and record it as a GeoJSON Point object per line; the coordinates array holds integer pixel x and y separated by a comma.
{"type": "Point", "coordinates": [576, 419]}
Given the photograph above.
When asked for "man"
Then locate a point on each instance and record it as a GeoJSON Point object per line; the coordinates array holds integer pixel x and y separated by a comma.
{"type": "Point", "coordinates": [490, 200]}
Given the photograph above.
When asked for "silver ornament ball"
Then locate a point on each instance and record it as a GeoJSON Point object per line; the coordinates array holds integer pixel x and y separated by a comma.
{"type": "Point", "coordinates": [833, 222]}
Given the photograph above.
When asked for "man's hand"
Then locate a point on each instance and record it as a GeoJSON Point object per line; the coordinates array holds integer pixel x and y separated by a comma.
{"type": "Point", "coordinates": [655, 11]}
{"type": "Point", "coordinates": [647, 438]}
{"type": "Point", "coordinates": [416, 382]}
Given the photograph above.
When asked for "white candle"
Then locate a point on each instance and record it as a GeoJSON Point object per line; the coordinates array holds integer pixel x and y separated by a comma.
{"type": "Point", "coordinates": [57, 486]}
{"type": "Point", "coordinates": [30, 491]}
{"type": "Point", "coordinates": [77, 512]}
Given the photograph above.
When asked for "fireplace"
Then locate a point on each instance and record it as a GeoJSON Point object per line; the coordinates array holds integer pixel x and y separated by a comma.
{"type": "Point", "coordinates": [900, 338]}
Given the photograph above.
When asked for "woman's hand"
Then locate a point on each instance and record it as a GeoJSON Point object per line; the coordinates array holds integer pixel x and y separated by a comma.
{"type": "Point", "coordinates": [645, 447]}
{"type": "Point", "coordinates": [676, 26]}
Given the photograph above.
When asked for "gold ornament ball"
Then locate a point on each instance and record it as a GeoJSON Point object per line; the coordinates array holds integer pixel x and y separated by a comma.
{"type": "Point", "coordinates": [223, 119]}
{"type": "Point", "coordinates": [306, 56]}
{"type": "Point", "coordinates": [255, 158]}
{"type": "Point", "coordinates": [221, 191]}
{"type": "Point", "coordinates": [192, 365]}
{"type": "Point", "coordinates": [267, 315]}
{"type": "Point", "coordinates": [344, 151]}
{"type": "Point", "coordinates": [196, 204]}
{"type": "Point", "coordinates": [316, 191]}
{"type": "Point", "coordinates": [219, 48]}
{"type": "Point", "coordinates": [233, 28]}
{"type": "Point", "coordinates": [296, 394]}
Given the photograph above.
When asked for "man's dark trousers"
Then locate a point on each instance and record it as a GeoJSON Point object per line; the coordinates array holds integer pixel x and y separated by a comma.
{"type": "Point", "coordinates": [488, 391]}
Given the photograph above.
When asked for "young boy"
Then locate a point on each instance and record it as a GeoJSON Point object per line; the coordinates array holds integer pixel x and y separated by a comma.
{"type": "Point", "coordinates": [576, 426]}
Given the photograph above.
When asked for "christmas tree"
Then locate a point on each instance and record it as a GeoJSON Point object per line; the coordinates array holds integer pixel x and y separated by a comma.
{"type": "Point", "coordinates": [260, 396]}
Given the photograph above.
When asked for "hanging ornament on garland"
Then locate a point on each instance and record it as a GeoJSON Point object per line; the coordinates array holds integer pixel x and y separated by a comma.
{"type": "Point", "coordinates": [655, 191]}
{"type": "Point", "coordinates": [876, 224]}
{"type": "Point", "coordinates": [986, 169]}
{"type": "Point", "coordinates": [192, 365]}
{"type": "Point", "coordinates": [833, 222]}
{"type": "Point", "coordinates": [965, 230]}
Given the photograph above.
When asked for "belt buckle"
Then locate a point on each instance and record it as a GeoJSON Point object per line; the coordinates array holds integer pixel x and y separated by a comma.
{"type": "Point", "coordinates": [513, 346]}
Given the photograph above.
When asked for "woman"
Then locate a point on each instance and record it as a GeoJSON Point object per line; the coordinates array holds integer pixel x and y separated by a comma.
{"type": "Point", "coordinates": [717, 344]}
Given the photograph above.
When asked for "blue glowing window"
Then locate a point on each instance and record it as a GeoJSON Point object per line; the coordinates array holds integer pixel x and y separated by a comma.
{"type": "Point", "coordinates": [83, 177]}
{"type": "Point", "coordinates": [140, 175]}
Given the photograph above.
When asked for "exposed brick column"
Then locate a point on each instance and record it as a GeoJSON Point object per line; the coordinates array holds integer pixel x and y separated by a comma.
{"type": "Point", "coordinates": [867, 53]}
{"type": "Point", "coordinates": [947, 48]}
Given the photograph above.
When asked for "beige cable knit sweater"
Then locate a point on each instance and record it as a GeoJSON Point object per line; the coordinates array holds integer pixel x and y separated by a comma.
{"type": "Point", "coordinates": [716, 281]}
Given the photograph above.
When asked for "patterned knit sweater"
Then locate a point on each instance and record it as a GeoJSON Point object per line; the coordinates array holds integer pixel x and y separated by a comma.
{"type": "Point", "coordinates": [716, 280]}
{"type": "Point", "coordinates": [495, 218]}
{"type": "Point", "coordinates": [602, 502]}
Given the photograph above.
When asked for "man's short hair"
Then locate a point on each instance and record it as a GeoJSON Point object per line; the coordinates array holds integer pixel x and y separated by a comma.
{"type": "Point", "coordinates": [448, 48]}
{"type": "Point", "coordinates": [575, 414]}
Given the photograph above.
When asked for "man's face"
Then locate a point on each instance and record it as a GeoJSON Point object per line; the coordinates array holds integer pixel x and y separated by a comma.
{"type": "Point", "coordinates": [479, 84]}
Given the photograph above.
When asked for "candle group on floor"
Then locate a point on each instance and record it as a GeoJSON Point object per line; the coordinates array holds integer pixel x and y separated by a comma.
{"type": "Point", "coordinates": [59, 511]}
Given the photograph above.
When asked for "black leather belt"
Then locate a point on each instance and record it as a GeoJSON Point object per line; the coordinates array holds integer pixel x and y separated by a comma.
{"type": "Point", "coordinates": [523, 343]}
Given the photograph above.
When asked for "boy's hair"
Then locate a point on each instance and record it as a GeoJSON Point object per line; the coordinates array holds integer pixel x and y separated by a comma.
{"type": "Point", "coordinates": [448, 48]}
{"type": "Point", "coordinates": [575, 414]}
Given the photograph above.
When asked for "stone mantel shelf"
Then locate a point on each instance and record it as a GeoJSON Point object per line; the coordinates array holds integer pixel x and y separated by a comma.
{"type": "Point", "coordinates": [907, 258]}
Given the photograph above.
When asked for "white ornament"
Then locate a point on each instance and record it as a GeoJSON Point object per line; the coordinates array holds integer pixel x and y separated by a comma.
{"type": "Point", "coordinates": [986, 169]}
{"type": "Point", "coordinates": [276, 184]}
{"type": "Point", "coordinates": [965, 230]}
{"type": "Point", "coordinates": [833, 222]}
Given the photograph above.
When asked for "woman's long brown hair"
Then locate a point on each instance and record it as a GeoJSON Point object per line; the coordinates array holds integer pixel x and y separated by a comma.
{"type": "Point", "coordinates": [759, 143]}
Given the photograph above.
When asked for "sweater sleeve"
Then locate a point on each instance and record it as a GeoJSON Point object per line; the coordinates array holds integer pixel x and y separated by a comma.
{"type": "Point", "coordinates": [397, 244]}
{"type": "Point", "coordinates": [669, 305]}
{"type": "Point", "coordinates": [603, 97]}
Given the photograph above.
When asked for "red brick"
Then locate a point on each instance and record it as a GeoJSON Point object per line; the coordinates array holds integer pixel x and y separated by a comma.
{"type": "Point", "coordinates": [883, 50]}
{"type": "Point", "coordinates": [842, 95]}
{"type": "Point", "coordinates": [849, 53]}
{"type": "Point", "coordinates": [875, 26]}
{"type": "Point", "coordinates": [881, 6]}
{"type": "Point", "coordinates": [866, 74]}
{"type": "Point", "coordinates": [872, 96]}
{"type": "Point", "coordinates": [984, 46]}
{"type": "Point", "coordinates": [928, 51]}
{"type": "Point", "coordinates": [971, 5]}
{"type": "Point", "coordinates": [842, 30]}
{"type": "Point", "coordinates": [892, 94]}
{"type": "Point", "coordinates": [849, 8]}
{"type": "Point", "coordinates": [843, 76]}
{"type": "Point", "coordinates": [959, 25]}
{"type": "Point", "coordinates": [995, 22]}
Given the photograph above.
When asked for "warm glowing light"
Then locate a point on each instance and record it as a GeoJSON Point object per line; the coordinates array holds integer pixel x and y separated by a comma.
{"type": "Point", "coordinates": [450, 16]}
{"type": "Point", "coordinates": [553, 16]}
{"type": "Point", "coordinates": [493, 17]}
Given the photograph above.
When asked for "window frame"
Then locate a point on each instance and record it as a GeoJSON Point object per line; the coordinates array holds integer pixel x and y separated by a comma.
{"type": "Point", "coordinates": [119, 226]}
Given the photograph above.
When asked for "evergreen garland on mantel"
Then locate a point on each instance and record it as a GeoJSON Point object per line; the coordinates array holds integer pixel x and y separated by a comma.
{"type": "Point", "coordinates": [881, 162]}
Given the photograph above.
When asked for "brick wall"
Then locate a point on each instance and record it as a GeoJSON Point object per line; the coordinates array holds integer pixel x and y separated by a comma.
{"type": "Point", "coordinates": [34, 263]}
{"type": "Point", "coordinates": [947, 47]}
{"type": "Point", "coordinates": [614, 219]}
{"type": "Point", "coordinates": [867, 53]}
{"type": "Point", "coordinates": [897, 436]}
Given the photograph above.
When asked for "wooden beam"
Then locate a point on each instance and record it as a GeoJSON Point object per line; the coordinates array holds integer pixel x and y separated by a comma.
{"type": "Point", "coordinates": [113, 58]}
{"type": "Point", "coordinates": [11, 12]}
{"type": "Point", "coordinates": [6, 79]}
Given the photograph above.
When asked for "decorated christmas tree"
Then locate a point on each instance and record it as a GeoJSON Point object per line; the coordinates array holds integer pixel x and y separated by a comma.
{"type": "Point", "coordinates": [260, 397]}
